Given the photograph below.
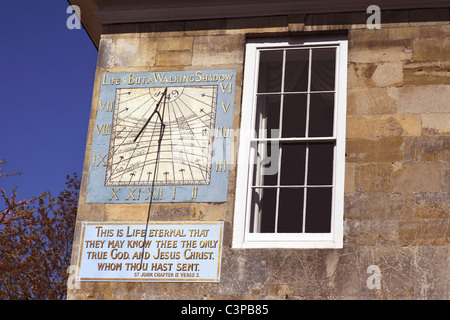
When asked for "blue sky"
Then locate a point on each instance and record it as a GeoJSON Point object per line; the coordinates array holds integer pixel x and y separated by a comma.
{"type": "Point", "coordinates": [46, 81]}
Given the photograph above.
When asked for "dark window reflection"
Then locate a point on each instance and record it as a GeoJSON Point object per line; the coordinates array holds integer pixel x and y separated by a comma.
{"type": "Point", "coordinates": [292, 164]}
{"type": "Point", "coordinates": [318, 210]}
{"type": "Point", "coordinates": [270, 71]}
{"type": "Point", "coordinates": [321, 114]}
{"type": "Point", "coordinates": [323, 67]}
{"type": "Point", "coordinates": [290, 211]}
{"type": "Point", "coordinates": [302, 113]}
{"type": "Point", "coordinates": [294, 115]}
{"type": "Point", "coordinates": [268, 116]}
{"type": "Point", "coordinates": [320, 163]}
{"type": "Point", "coordinates": [296, 73]}
{"type": "Point", "coordinates": [264, 205]}
{"type": "Point", "coordinates": [268, 154]}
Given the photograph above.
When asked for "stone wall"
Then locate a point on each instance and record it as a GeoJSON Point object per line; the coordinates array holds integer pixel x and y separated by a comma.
{"type": "Point", "coordinates": [397, 187]}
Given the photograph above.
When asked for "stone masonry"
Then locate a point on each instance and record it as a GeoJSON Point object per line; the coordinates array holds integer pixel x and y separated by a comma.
{"type": "Point", "coordinates": [397, 187]}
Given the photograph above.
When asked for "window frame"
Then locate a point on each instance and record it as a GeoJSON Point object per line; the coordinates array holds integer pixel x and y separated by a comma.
{"type": "Point", "coordinates": [242, 238]}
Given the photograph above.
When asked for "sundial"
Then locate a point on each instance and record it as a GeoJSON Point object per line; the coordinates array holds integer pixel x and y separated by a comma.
{"type": "Point", "coordinates": [164, 135]}
{"type": "Point", "coordinates": [186, 149]}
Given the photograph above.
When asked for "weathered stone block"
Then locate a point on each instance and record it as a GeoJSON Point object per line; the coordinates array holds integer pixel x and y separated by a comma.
{"type": "Point", "coordinates": [407, 272]}
{"type": "Point", "coordinates": [280, 290]}
{"type": "Point", "coordinates": [207, 212]}
{"type": "Point", "coordinates": [374, 177]}
{"type": "Point", "coordinates": [215, 50]}
{"type": "Point", "coordinates": [373, 54]}
{"type": "Point", "coordinates": [435, 31]}
{"type": "Point", "coordinates": [431, 205]}
{"type": "Point", "coordinates": [375, 75]}
{"type": "Point", "coordinates": [388, 74]}
{"type": "Point", "coordinates": [374, 46]}
{"type": "Point", "coordinates": [426, 232]}
{"type": "Point", "coordinates": [382, 206]}
{"type": "Point", "coordinates": [429, 272]}
{"type": "Point", "coordinates": [134, 52]}
{"type": "Point", "coordinates": [349, 185]}
{"type": "Point", "coordinates": [359, 75]}
{"type": "Point", "coordinates": [424, 99]}
{"type": "Point", "coordinates": [425, 148]}
{"type": "Point", "coordinates": [446, 171]}
{"type": "Point", "coordinates": [243, 271]}
{"type": "Point", "coordinates": [431, 49]}
{"type": "Point", "coordinates": [91, 212]}
{"type": "Point", "coordinates": [418, 177]}
{"type": "Point", "coordinates": [404, 33]}
{"type": "Point", "coordinates": [361, 36]}
{"type": "Point", "coordinates": [373, 232]}
{"type": "Point", "coordinates": [135, 212]}
{"type": "Point", "coordinates": [385, 149]}
{"type": "Point", "coordinates": [174, 212]}
{"type": "Point", "coordinates": [436, 123]}
{"type": "Point", "coordinates": [383, 125]}
{"type": "Point", "coordinates": [174, 43]}
{"type": "Point", "coordinates": [372, 101]}
{"type": "Point", "coordinates": [173, 58]}
{"type": "Point", "coordinates": [106, 52]}
{"type": "Point", "coordinates": [426, 72]}
{"type": "Point", "coordinates": [292, 267]}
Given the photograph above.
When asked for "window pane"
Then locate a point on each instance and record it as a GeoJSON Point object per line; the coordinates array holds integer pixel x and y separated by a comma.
{"type": "Point", "coordinates": [266, 169]}
{"type": "Point", "coordinates": [270, 70]}
{"type": "Point", "coordinates": [321, 115]}
{"type": "Point", "coordinates": [296, 73]}
{"type": "Point", "coordinates": [293, 164]}
{"type": "Point", "coordinates": [320, 163]}
{"type": "Point", "coordinates": [268, 116]}
{"type": "Point", "coordinates": [294, 115]}
{"type": "Point", "coordinates": [323, 66]}
{"type": "Point", "coordinates": [318, 210]}
{"type": "Point", "coordinates": [290, 211]}
{"type": "Point", "coordinates": [263, 209]}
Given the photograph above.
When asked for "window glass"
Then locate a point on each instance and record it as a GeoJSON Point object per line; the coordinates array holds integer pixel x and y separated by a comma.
{"type": "Point", "coordinates": [292, 169]}
{"type": "Point", "coordinates": [294, 115]}
{"type": "Point", "coordinates": [290, 210]}
{"type": "Point", "coordinates": [296, 179]}
{"type": "Point", "coordinates": [296, 74]}
{"type": "Point", "coordinates": [323, 67]}
{"type": "Point", "coordinates": [264, 203]}
{"type": "Point", "coordinates": [266, 166]}
{"type": "Point", "coordinates": [321, 114]}
{"type": "Point", "coordinates": [268, 116]}
{"type": "Point", "coordinates": [318, 210]}
{"type": "Point", "coordinates": [320, 163]}
{"type": "Point", "coordinates": [270, 70]}
{"type": "Point", "coordinates": [301, 109]}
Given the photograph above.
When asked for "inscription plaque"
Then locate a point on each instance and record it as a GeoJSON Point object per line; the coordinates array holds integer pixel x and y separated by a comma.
{"type": "Point", "coordinates": [160, 251]}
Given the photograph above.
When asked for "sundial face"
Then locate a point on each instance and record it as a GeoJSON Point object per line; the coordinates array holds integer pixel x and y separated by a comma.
{"type": "Point", "coordinates": [164, 135]}
{"type": "Point", "coordinates": [186, 148]}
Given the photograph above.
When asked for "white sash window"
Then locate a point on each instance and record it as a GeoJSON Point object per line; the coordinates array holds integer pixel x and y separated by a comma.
{"type": "Point", "coordinates": [290, 182]}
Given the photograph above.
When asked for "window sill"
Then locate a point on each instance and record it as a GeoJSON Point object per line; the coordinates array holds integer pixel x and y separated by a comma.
{"type": "Point", "coordinates": [317, 241]}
